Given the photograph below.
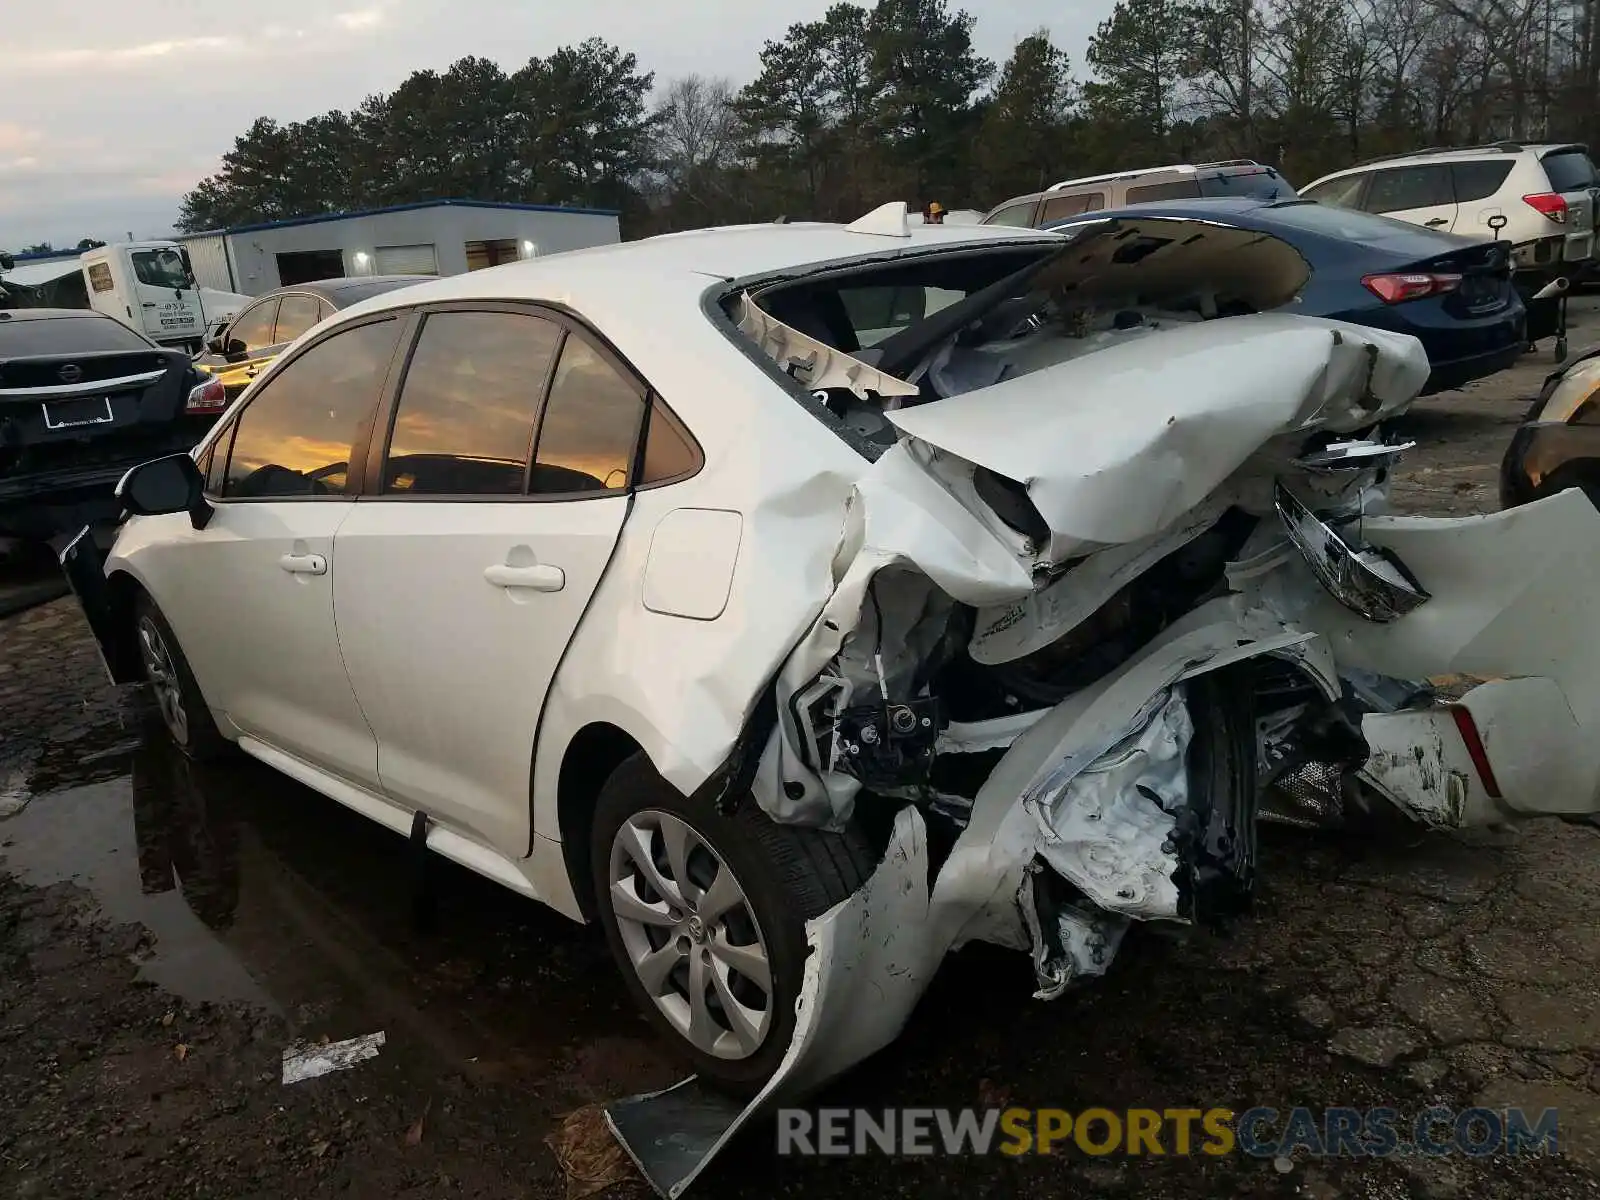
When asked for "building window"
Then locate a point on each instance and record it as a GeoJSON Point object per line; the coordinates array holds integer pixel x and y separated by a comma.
{"type": "Point", "coordinates": [490, 254]}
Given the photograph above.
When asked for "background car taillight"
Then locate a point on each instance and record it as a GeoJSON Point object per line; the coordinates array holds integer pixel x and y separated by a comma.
{"type": "Point", "coordinates": [1550, 204]}
{"type": "Point", "coordinates": [209, 396]}
{"type": "Point", "coordinates": [1396, 289]}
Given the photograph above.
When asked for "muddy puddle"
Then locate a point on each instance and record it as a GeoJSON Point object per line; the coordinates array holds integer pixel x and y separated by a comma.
{"type": "Point", "coordinates": [257, 892]}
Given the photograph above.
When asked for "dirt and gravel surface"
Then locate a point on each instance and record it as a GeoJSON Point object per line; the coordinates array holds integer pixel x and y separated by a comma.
{"type": "Point", "coordinates": [165, 933]}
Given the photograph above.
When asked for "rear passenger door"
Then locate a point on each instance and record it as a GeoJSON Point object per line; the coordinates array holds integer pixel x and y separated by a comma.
{"type": "Point", "coordinates": [492, 513]}
{"type": "Point", "coordinates": [1421, 194]}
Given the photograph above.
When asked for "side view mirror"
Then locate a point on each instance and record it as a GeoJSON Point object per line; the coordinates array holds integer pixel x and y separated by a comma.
{"type": "Point", "coordinates": [166, 485]}
{"type": "Point", "coordinates": [217, 346]}
{"type": "Point", "coordinates": [6, 261]}
{"type": "Point", "coordinates": [233, 347]}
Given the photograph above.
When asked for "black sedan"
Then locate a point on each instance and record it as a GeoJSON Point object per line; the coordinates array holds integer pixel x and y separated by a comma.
{"type": "Point", "coordinates": [1557, 446]}
{"type": "Point", "coordinates": [1453, 294]}
{"type": "Point", "coordinates": [82, 399]}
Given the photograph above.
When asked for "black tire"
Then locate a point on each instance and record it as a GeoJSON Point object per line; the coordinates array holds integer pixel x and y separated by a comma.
{"type": "Point", "coordinates": [788, 876]}
{"type": "Point", "coordinates": [196, 733]}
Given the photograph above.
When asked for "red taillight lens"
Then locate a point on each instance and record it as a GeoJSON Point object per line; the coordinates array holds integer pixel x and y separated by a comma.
{"type": "Point", "coordinates": [1397, 289]}
{"type": "Point", "coordinates": [209, 396]}
{"type": "Point", "coordinates": [1550, 204]}
{"type": "Point", "coordinates": [1468, 728]}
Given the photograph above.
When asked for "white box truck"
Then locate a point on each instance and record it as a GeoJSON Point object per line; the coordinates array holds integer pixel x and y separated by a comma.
{"type": "Point", "coordinates": [148, 285]}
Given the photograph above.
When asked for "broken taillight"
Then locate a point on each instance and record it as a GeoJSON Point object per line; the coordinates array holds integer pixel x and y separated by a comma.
{"type": "Point", "coordinates": [209, 396]}
{"type": "Point", "coordinates": [1550, 204]}
{"type": "Point", "coordinates": [1398, 288]}
{"type": "Point", "coordinates": [1468, 728]}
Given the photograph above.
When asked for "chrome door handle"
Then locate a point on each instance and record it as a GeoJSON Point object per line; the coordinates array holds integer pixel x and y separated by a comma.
{"type": "Point", "coordinates": [541, 577]}
{"type": "Point", "coordinates": [304, 564]}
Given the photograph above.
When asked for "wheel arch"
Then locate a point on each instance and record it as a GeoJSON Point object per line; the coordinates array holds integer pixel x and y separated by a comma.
{"type": "Point", "coordinates": [590, 758]}
{"type": "Point", "coordinates": [122, 645]}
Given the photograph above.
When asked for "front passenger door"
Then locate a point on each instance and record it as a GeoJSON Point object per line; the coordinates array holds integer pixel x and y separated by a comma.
{"type": "Point", "coordinates": [247, 342]}
{"type": "Point", "coordinates": [251, 595]}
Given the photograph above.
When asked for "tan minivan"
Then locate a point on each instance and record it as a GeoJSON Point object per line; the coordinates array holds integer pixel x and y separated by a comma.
{"type": "Point", "coordinates": [1236, 177]}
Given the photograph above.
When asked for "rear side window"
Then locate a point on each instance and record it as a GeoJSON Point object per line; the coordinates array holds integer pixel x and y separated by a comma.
{"type": "Point", "coordinates": [1018, 216]}
{"type": "Point", "coordinates": [1480, 178]}
{"type": "Point", "coordinates": [590, 426]}
{"type": "Point", "coordinates": [465, 420]}
{"type": "Point", "coordinates": [1569, 171]}
{"type": "Point", "coordinates": [669, 451]}
{"type": "Point", "coordinates": [1401, 188]}
{"type": "Point", "coordinates": [1058, 207]}
{"type": "Point", "coordinates": [295, 437]}
{"type": "Point", "coordinates": [1176, 189]}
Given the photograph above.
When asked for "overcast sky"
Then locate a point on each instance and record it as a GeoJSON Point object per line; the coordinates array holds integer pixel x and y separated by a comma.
{"type": "Point", "coordinates": [114, 109]}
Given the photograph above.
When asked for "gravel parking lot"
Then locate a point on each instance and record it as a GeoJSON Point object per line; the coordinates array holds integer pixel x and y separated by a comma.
{"type": "Point", "coordinates": [164, 934]}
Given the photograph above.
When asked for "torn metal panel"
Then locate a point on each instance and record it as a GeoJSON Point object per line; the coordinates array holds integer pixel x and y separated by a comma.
{"type": "Point", "coordinates": [1512, 595]}
{"type": "Point", "coordinates": [1182, 421]}
{"type": "Point", "coordinates": [1109, 829]}
{"type": "Point", "coordinates": [814, 363]}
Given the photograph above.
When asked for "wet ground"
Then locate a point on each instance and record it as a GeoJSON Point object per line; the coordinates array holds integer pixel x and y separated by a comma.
{"type": "Point", "coordinates": [166, 931]}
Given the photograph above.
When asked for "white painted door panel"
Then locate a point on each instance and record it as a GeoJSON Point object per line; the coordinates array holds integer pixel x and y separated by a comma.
{"type": "Point", "coordinates": [250, 597]}
{"type": "Point", "coordinates": [453, 616]}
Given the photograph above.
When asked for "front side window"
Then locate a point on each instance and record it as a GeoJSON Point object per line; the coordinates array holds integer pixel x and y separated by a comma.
{"type": "Point", "coordinates": [464, 423]}
{"type": "Point", "coordinates": [296, 436]}
{"type": "Point", "coordinates": [252, 329]}
{"type": "Point", "coordinates": [160, 268]}
{"type": "Point", "coordinates": [1017, 216]}
{"type": "Point", "coordinates": [297, 312]}
{"type": "Point", "coordinates": [1344, 192]}
{"type": "Point", "coordinates": [590, 426]}
{"type": "Point", "coordinates": [1402, 188]}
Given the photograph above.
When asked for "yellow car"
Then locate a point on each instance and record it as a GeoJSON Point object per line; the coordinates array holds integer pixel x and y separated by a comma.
{"type": "Point", "coordinates": [263, 330]}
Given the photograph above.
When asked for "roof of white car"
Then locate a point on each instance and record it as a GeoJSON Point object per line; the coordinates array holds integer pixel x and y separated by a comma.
{"type": "Point", "coordinates": [1498, 151]}
{"type": "Point", "coordinates": [605, 281]}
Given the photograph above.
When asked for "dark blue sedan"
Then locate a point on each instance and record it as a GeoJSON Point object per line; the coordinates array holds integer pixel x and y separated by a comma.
{"type": "Point", "coordinates": [1453, 294]}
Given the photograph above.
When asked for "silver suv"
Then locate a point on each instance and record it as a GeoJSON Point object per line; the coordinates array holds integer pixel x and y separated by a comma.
{"type": "Point", "coordinates": [1540, 198]}
{"type": "Point", "coordinates": [1070, 197]}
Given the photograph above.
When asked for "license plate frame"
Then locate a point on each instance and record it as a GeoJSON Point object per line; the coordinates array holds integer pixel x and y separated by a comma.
{"type": "Point", "coordinates": [77, 412]}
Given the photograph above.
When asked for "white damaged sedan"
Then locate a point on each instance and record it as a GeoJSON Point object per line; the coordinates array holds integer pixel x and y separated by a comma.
{"type": "Point", "coordinates": [801, 601]}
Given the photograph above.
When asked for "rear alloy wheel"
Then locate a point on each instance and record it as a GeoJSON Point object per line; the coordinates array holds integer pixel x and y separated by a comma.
{"type": "Point", "coordinates": [691, 935]}
{"type": "Point", "coordinates": [172, 688]}
{"type": "Point", "coordinates": [705, 913]}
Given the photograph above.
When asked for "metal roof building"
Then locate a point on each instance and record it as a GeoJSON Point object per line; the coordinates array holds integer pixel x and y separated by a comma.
{"type": "Point", "coordinates": [436, 237]}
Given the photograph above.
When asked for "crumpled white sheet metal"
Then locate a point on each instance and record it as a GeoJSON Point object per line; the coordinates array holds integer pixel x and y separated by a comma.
{"type": "Point", "coordinates": [1109, 828]}
{"type": "Point", "coordinates": [1119, 444]}
{"type": "Point", "coordinates": [874, 954]}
